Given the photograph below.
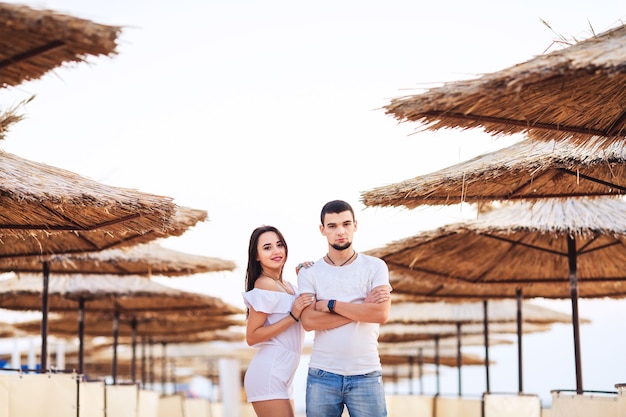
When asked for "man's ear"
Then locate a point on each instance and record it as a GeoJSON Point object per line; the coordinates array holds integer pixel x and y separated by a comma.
{"type": "Point", "coordinates": [322, 230]}
{"type": "Point", "coordinates": [355, 225]}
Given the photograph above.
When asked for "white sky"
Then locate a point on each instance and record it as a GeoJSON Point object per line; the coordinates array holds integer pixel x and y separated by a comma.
{"type": "Point", "coordinates": [261, 111]}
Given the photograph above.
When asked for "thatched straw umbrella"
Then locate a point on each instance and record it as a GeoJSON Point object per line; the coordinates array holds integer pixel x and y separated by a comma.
{"type": "Point", "coordinates": [152, 328]}
{"type": "Point", "coordinates": [181, 220]}
{"type": "Point", "coordinates": [446, 357]}
{"type": "Point", "coordinates": [415, 332]}
{"type": "Point", "coordinates": [527, 170]}
{"type": "Point", "coordinates": [114, 295]}
{"type": "Point", "coordinates": [439, 355]}
{"type": "Point", "coordinates": [9, 330]}
{"type": "Point", "coordinates": [34, 42]}
{"type": "Point", "coordinates": [431, 346]}
{"type": "Point", "coordinates": [578, 92]}
{"type": "Point", "coordinates": [146, 259]}
{"type": "Point", "coordinates": [500, 311]}
{"type": "Point", "coordinates": [47, 210]}
{"type": "Point", "coordinates": [551, 249]}
{"type": "Point", "coordinates": [433, 334]}
{"type": "Point", "coordinates": [466, 313]}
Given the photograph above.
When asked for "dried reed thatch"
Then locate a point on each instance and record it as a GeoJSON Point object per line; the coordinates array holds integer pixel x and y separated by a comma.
{"type": "Point", "coordinates": [9, 330]}
{"type": "Point", "coordinates": [397, 333]}
{"type": "Point", "coordinates": [498, 311]}
{"type": "Point", "coordinates": [47, 210]}
{"type": "Point", "coordinates": [527, 170]}
{"type": "Point", "coordinates": [147, 259]}
{"type": "Point", "coordinates": [411, 346]}
{"type": "Point", "coordinates": [105, 293]}
{"type": "Point", "coordinates": [447, 357]}
{"type": "Point", "coordinates": [164, 327]}
{"type": "Point", "coordinates": [521, 246]}
{"type": "Point", "coordinates": [578, 92]}
{"type": "Point", "coordinates": [34, 42]}
{"type": "Point", "coordinates": [8, 118]}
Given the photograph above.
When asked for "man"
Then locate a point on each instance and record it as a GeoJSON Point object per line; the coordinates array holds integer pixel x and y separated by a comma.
{"type": "Point", "coordinates": [353, 294]}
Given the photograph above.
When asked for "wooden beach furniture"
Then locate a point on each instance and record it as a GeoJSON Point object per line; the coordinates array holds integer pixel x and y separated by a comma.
{"type": "Point", "coordinates": [511, 405]}
{"type": "Point", "coordinates": [37, 395]}
{"type": "Point", "coordinates": [406, 404]}
{"type": "Point", "coordinates": [588, 404]}
{"type": "Point", "coordinates": [197, 407]}
{"type": "Point", "coordinates": [121, 400]}
{"type": "Point", "coordinates": [457, 406]}
{"type": "Point", "coordinates": [91, 399]}
{"type": "Point", "coordinates": [148, 403]}
{"type": "Point", "coordinates": [170, 406]}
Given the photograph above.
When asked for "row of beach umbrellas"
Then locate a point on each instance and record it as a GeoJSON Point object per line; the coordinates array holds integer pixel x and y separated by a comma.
{"type": "Point", "coordinates": [550, 217]}
{"type": "Point", "coordinates": [79, 246]}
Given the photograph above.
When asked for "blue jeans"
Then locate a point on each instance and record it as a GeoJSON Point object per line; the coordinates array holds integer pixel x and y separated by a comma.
{"type": "Point", "coordinates": [363, 395]}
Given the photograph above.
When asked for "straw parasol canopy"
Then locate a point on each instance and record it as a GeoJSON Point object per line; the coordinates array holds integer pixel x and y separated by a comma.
{"type": "Point", "coordinates": [147, 259]}
{"type": "Point", "coordinates": [48, 210]}
{"type": "Point", "coordinates": [527, 170]}
{"type": "Point", "coordinates": [551, 249]}
{"type": "Point", "coordinates": [34, 42]}
{"type": "Point", "coordinates": [114, 295]}
{"type": "Point", "coordinates": [9, 330]}
{"type": "Point", "coordinates": [399, 333]}
{"type": "Point", "coordinates": [177, 326]}
{"type": "Point", "coordinates": [99, 356]}
{"type": "Point", "coordinates": [436, 354]}
{"type": "Point", "coordinates": [518, 246]}
{"type": "Point", "coordinates": [463, 314]}
{"type": "Point", "coordinates": [411, 347]}
{"type": "Point", "coordinates": [8, 118]}
{"type": "Point", "coordinates": [104, 294]}
{"type": "Point", "coordinates": [447, 357]}
{"type": "Point", "coordinates": [467, 329]}
{"type": "Point", "coordinates": [578, 92]}
{"type": "Point", "coordinates": [499, 311]}
{"type": "Point", "coordinates": [182, 219]}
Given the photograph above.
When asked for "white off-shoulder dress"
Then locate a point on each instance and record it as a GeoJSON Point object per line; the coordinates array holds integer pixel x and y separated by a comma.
{"type": "Point", "coordinates": [270, 373]}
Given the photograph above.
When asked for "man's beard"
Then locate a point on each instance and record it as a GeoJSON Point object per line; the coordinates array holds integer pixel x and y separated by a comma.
{"type": "Point", "coordinates": [341, 247]}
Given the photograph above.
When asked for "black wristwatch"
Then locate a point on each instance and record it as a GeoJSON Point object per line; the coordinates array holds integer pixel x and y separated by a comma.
{"type": "Point", "coordinates": [331, 306]}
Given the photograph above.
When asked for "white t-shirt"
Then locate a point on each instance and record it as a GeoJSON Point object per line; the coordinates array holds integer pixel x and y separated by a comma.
{"type": "Point", "coordinates": [351, 349]}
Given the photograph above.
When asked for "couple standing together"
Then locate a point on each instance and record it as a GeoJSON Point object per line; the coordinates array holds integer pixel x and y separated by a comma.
{"type": "Point", "coordinates": [343, 297]}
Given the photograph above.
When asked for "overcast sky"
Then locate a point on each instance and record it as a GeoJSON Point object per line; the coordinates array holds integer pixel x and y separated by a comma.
{"type": "Point", "coordinates": [261, 111]}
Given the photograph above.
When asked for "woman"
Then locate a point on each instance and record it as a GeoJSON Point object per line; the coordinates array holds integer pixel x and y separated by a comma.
{"type": "Point", "coordinates": [273, 326]}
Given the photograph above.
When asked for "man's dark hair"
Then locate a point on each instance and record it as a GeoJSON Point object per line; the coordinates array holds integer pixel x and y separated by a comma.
{"type": "Point", "coordinates": [335, 206]}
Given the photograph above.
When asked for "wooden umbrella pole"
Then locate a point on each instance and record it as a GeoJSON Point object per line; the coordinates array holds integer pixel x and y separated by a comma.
{"type": "Point", "coordinates": [486, 334]}
{"type": "Point", "coordinates": [420, 368]}
{"type": "Point", "coordinates": [573, 282]}
{"type": "Point", "coordinates": [81, 335]}
{"type": "Point", "coordinates": [44, 317]}
{"type": "Point", "coordinates": [151, 362]}
{"type": "Point", "coordinates": [518, 295]}
{"type": "Point", "coordinates": [133, 362]}
{"type": "Point", "coordinates": [144, 377]}
{"type": "Point", "coordinates": [394, 377]}
{"type": "Point", "coordinates": [116, 333]}
{"type": "Point", "coordinates": [411, 391]}
{"type": "Point", "coordinates": [437, 362]}
{"type": "Point", "coordinates": [458, 353]}
{"type": "Point", "coordinates": [163, 367]}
